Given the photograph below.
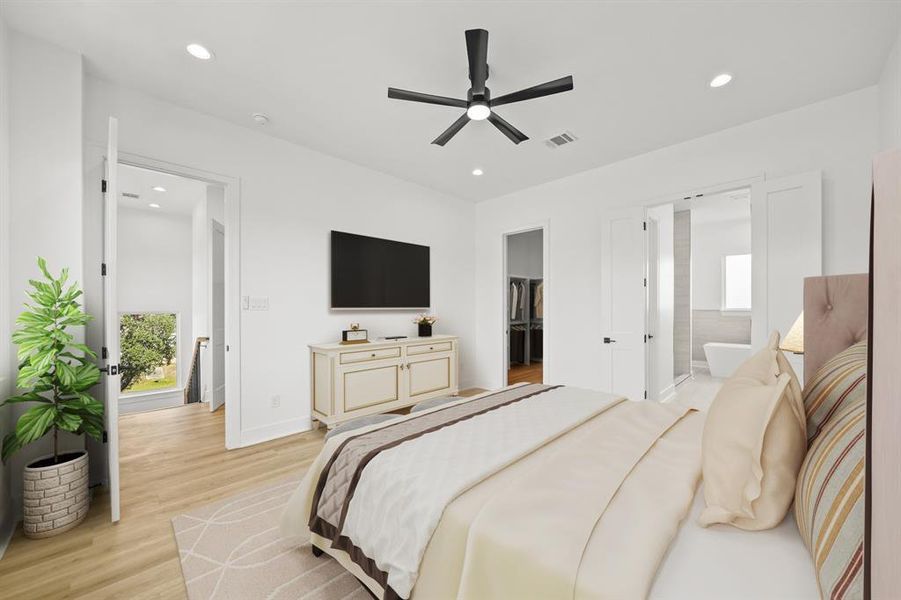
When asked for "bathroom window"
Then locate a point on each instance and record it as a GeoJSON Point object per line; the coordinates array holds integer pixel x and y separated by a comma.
{"type": "Point", "coordinates": [737, 282]}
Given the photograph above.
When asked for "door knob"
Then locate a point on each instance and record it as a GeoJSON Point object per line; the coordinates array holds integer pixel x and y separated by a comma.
{"type": "Point", "coordinates": [609, 341]}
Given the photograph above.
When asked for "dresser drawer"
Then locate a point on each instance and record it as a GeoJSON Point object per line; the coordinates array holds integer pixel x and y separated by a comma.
{"type": "Point", "coordinates": [427, 348]}
{"type": "Point", "coordinates": [365, 355]}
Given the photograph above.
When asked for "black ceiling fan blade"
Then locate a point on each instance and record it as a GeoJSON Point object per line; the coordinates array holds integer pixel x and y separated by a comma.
{"type": "Point", "coordinates": [564, 84]}
{"type": "Point", "coordinates": [477, 51]}
{"type": "Point", "coordinates": [397, 94]}
{"type": "Point", "coordinates": [451, 131]}
{"type": "Point", "coordinates": [515, 135]}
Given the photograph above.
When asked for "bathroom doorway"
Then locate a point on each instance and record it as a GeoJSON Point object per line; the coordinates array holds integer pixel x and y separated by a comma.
{"type": "Point", "coordinates": [712, 277]}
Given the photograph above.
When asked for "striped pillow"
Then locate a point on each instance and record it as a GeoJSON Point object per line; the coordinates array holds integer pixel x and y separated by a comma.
{"type": "Point", "coordinates": [829, 502]}
{"type": "Point", "coordinates": [840, 382]}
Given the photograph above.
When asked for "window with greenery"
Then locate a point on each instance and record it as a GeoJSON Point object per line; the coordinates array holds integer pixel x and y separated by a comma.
{"type": "Point", "coordinates": [148, 346]}
{"type": "Point", "coordinates": [737, 282]}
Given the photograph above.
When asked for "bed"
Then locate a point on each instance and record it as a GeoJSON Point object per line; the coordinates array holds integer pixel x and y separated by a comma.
{"type": "Point", "coordinates": [503, 496]}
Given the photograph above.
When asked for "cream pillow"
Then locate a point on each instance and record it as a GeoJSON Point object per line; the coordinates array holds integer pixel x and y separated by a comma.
{"type": "Point", "coordinates": [754, 441]}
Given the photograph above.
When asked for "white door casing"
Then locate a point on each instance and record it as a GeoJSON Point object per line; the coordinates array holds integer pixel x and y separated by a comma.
{"type": "Point", "coordinates": [624, 301]}
{"type": "Point", "coordinates": [217, 315]}
{"type": "Point", "coordinates": [653, 318]}
{"type": "Point", "coordinates": [786, 245]}
{"type": "Point", "coordinates": [111, 315]}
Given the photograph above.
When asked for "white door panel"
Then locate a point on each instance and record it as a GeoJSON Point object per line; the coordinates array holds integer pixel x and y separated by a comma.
{"type": "Point", "coordinates": [624, 301]}
{"type": "Point", "coordinates": [787, 246]}
{"type": "Point", "coordinates": [217, 315]}
{"type": "Point", "coordinates": [111, 315]}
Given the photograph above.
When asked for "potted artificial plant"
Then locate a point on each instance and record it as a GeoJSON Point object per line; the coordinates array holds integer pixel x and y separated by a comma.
{"type": "Point", "coordinates": [425, 323]}
{"type": "Point", "coordinates": [55, 374]}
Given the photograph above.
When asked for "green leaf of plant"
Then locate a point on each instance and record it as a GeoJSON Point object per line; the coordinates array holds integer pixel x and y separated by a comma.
{"type": "Point", "coordinates": [28, 397]}
{"type": "Point", "coordinates": [68, 421]}
{"type": "Point", "coordinates": [11, 445]}
{"type": "Point", "coordinates": [66, 374]}
{"type": "Point", "coordinates": [34, 423]}
{"type": "Point", "coordinates": [42, 265]}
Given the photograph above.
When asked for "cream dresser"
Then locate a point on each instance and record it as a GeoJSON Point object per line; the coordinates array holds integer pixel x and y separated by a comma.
{"type": "Point", "coordinates": [349, 381]}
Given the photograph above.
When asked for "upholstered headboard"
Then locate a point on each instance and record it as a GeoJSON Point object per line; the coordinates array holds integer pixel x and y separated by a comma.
{"type": "Point", "coordinates": [835, 317]}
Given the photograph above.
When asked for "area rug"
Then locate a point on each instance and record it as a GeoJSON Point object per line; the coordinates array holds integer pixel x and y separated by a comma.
{"type": "Point", "coordinates": [232, 550]}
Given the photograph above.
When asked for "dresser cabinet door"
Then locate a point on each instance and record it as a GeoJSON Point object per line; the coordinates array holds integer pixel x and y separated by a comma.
{"type": "Point", "coordinates": [370, 385]}
{"type": "Point", "coordinates": [429, 376]}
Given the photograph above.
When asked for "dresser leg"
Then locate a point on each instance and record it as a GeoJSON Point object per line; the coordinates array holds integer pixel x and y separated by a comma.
{"type": "Point", "coordinates": [317, 552]}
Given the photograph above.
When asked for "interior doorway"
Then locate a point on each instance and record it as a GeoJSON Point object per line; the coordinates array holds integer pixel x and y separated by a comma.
{"type": "Point", "coordinates": [170, 290]}
{"type": "Point", "coordinates": [524, 281]}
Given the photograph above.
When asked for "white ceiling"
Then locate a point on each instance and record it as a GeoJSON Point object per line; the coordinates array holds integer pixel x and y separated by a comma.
{"type": "Point", "coordinates": [321, 72]}
{"type": "Point", "coordinates": [180, 198]}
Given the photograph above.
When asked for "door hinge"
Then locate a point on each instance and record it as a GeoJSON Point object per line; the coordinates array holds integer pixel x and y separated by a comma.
{"type": "Point", "coordinates": [645, 282]}
{"type": "Point", "coordinates": [105, 437]}
{"type": "Point", "coordinates": [110, 369]}
{"type": "Point", "coordinates": [104, 353]}
{"type": "Point", "coordinates": [645, 338]}
{"type": "Point", "coordinates": [644, 225]}
{"type": "Point", "coordinates": [645, 394]}
{"type": "Point", "coordinates": [103, 269]}
{"type": "Point", "coordinates": [103, 185]}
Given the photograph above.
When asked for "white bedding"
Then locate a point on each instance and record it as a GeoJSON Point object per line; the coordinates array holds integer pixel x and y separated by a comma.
{"type": "Point", "coordinates": [725, 563]}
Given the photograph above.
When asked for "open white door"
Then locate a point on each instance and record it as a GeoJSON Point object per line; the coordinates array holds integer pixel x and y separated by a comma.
{"type": "Point", "coordinates": [624, 301]}
{"type": "Point", "coordinates": [111, 315]}
{"type": "Point", "coordinates": [786, 246]}
{"type": "Point", "coordinates": [217, 314]}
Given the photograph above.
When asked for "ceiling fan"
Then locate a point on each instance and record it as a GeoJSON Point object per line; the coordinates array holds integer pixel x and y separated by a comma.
{"type": "Point", "coordinates": [478, 104]}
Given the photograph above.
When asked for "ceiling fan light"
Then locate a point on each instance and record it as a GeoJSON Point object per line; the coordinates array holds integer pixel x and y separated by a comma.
{"type": "Point", "coordinates": [478, 111]}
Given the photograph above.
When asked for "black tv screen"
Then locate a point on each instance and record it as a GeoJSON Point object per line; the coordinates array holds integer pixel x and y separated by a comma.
{"type": "Point", "coordinates": [369, 272]}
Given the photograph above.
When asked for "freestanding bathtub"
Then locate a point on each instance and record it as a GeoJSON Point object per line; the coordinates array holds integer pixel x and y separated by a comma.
{"type": "Point", "coordinates": [723, 358]}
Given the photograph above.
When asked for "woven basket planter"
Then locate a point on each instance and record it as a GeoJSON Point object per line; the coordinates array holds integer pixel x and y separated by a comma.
{"type": "Point", "coordinates": [56, 495]}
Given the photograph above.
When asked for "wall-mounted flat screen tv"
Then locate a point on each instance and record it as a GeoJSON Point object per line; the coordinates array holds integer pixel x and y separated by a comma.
{"type": "Point", "coordinates": [370, 272]}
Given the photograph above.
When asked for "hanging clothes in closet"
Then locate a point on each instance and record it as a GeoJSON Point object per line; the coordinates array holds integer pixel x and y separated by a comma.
{"type": "Point", "coordinates": [536, 341]}
{"type": "Point", "coordinates": [517, 344]}
{"type": "Point", "coordinates": [538, 300]}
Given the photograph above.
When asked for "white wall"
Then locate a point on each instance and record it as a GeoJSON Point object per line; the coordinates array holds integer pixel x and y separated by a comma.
{"type": "Point", "coordinates": [45, 182]}
{"type": "Point", "coordinates": [154, 272]}
{"type": "Point", "coordinates": [661, 379]}
{"type": "Point", "coordinates": [525, 254]}
{"type": "Point", "coordinates": [7, 516]}
{"type": "Point", "coordinates": [890, 99]}
{"type": "Point", "coordinates": [291, 197]}
{"type": "Point", "coordinates": [710, 242]}
{"type": "Point", "coordinates": [838, 136]}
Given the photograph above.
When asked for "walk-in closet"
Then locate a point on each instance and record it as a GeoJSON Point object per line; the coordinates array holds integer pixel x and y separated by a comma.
{"type": "Point", "coordinates": [525, 306]}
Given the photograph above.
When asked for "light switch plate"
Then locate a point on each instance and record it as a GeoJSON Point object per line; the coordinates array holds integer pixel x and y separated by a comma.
{"type": "Point", "coordinates": [259, 303]}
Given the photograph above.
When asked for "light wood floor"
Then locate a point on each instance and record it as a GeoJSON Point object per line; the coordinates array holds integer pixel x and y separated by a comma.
{"type": "Point", "coordinates": [171, 461]}
{"type": "Point", "coordinates": [533, 373]}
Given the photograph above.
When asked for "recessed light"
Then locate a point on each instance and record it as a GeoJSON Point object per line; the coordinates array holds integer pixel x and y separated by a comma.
{"type": "Point", "coordinates": [720, 80]}
{"type": "Point", "coordinates": [260, 118]}
{"type": "Point", "coordinates": [199, 52]}
{"type": "Point", "coordinates": [153, 205]}
{"type": "Point", "coordinates": [159, 188]}
{"type": "Point", "coordinates": [477, 172]}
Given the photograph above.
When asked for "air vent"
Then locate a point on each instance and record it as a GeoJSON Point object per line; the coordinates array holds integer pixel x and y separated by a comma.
{"type": "Point", "coordinates": [130, 195]}
{"type": "Point", "coordinates": [567, 137]}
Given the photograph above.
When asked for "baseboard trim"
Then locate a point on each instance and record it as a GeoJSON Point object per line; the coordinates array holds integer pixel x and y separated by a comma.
{"type": "Point", "coordinates": [151, 401]}
{"type": "Point", "coordinates": [258, 435]}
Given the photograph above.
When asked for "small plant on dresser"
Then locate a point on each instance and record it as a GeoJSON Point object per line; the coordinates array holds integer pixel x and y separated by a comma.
{"type": "Point", "coordinates": [55, 374]}
{"type": "Point", "coordinates": [425, 323]}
